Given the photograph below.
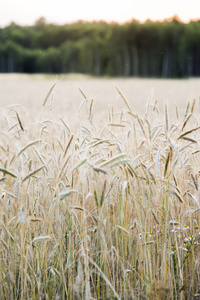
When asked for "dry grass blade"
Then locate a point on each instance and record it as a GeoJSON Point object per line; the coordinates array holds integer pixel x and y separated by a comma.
{"type": "Point", "coordinates": [65, 125]}
{"type": "Point", "coordinates": [96, 199]}
{"type": "Point", "coordinates": [98, 170]}
{"type": "Point", "coordinates": [132, 114]}
{"type": "Point", "coordinates": [155, 106]}
{"type": "Point", "coordinates": [41, 238]}
{"type": "Point", "coordinates": [193, 105]}
{"type": "Point", "coordinates": [68, 145]}
{"type": "Point", "coordinates": [49, 93]}
{"type": "Point", "coordinates": [4, 150]}
{"type": "Point", "coordinates": [66, 194]}
{"type": "Point", "coordinates": [195, 152]}
{"type": "Point", "coordinates": [113, 159]}
{"type": "Point", "coordinates": [79, 208]}
{"type": "Point", "coordinates": [110, 116]}
{"type": "Point", "coordinates": [121, 162]}
{"type": "Point", "coordinates": [3, 178]}
{"type": "Point", "coordinates": [149, 127]}
{"type": "Point", "coordinates": [177, 112]}
{"type": "Point", "coordinates": [103, 194]}
{"type": "Point", "coordinates": [79, 164]}
{"type": "Point", "coordinates": [33, 173]}
{"type": "Point", "coordinates": [116, 125]}
{"type": "Point", "coordinates": [195, 182]}
{"type": "Point", "coordinates": [152, 176]}
{"type": "Point", "coordinates": [132, 171]}
{"type": "Point", "coordinates": [81, 107]}
{"type": "Point", "coordinates": [123, 229]}
{"type": "Point", "coordinates": [167, 162]}
{"type": "Point", "coordinates": [193, 198]}
{"type": "Point", "coordinates": [196, 210]}
{"type": "Point", "coordinates": [63, 167]}
{"type": "Point", "coordinates": [121, 116]}
{"type": "Point", "coordinates": [40, 157]}
{"type": "Point", "coordinates": [186, 120]}
{"type": "Point", "coordinates": [187, 109]}
{"type": "Point", "coordinates": [99, 143]}
{"type": "Point", "coordinates": [4, 244]}
{"type": "Point", "coordinates": [105, 278]}
{"type": "Point", "coordinates": [155, 217]}
{"type": "Point", "coordinates": [7, 231]}
{"type": "Point", "coordinates": [86, 130]}
{"type": "Point", "coordinates": [83, 94]}
{"type": "Point", "coordinates": [33, 219]}
{"type": "Point", "coordinates": [19, 121]}
{"type": "Point", "coordinates": [118, 140]}
{"type": "Point", "coordinates": [189, 139]}
{"type": "Point", "coordinates": [177, 153]}
{"type": "Point", "coordinates": [141, 125]}
{"type": "Point", "coordinates": [158, 161]}
{"type": "Point", "coordinates": [125, 101]}
{"type": "Point", "coordinates": [188, 132]}
{"type": "Point", "coordinates": [178, 196]}
{"type": "Point", "coordinates": [90, 113]}
{"type": "Point", "coordinates": [27, 146]}
{"type": "Point", "coordinates": [149, 102]}
{"type": "Point", "coordinates": [8, 172]}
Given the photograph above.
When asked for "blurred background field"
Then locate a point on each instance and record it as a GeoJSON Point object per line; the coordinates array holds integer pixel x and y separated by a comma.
{"type": "Point", "coordinates": [29, 91]}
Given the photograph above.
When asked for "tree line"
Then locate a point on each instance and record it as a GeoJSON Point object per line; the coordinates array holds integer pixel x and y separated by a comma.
{"type": "Point", "coordinates": [152, 49]}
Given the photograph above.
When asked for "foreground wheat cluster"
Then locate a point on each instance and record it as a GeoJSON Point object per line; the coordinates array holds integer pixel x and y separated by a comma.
{"type": "Point", "coordinates": [100, 210]}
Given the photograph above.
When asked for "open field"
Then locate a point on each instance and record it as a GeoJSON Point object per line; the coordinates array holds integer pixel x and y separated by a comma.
{"type": "Point", "coordinates": [30, 91]}
{"type": "Point", "coordinates": [99, 188]}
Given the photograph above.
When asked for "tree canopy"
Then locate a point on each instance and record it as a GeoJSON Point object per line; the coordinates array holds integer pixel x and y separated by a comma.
{"type": "Point", "coordinates": [152, 49]}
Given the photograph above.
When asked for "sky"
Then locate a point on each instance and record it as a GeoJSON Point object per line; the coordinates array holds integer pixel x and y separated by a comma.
{"type": "Point", "coordinates": [24, 12]}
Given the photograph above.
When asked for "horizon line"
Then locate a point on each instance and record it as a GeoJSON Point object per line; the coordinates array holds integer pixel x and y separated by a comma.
{"type": "Point", "coordinates": [168, 19]}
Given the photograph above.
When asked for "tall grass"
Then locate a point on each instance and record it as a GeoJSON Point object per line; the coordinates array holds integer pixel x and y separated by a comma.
{"type": "Point", "coordinates": [101, 210]}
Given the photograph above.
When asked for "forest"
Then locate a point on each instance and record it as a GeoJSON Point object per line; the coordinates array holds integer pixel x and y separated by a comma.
{"type": "Point", "coordinates": [168, 49]}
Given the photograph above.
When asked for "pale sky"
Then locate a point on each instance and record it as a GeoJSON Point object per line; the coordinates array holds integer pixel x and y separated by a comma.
{"type": "Point", "coordinates": [24, 12]}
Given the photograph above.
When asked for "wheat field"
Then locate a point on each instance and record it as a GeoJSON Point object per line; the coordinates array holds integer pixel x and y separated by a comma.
{"type": "Point", "coordinates": [99, 188]}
